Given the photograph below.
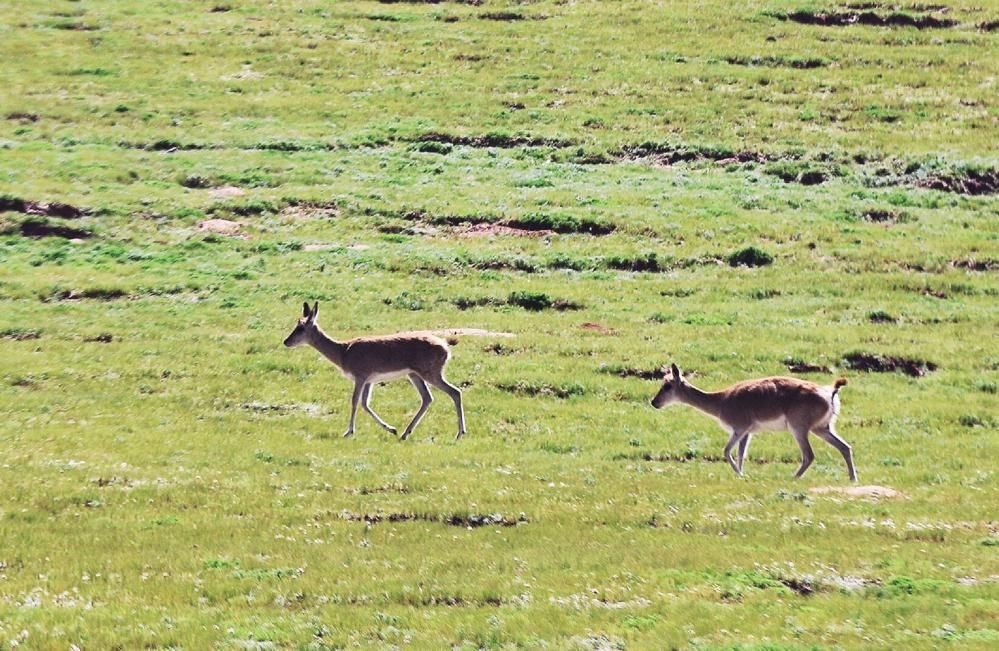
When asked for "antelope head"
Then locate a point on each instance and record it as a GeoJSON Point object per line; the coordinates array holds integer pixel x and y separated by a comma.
{"type": "Point", "coordinates": [669, 391]}
{"type": "Point", "coordinates": [304, 328]}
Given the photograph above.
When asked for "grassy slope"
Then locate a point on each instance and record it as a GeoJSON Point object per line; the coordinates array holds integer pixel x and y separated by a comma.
{"type": "Point", "coordinates": [185, 484]}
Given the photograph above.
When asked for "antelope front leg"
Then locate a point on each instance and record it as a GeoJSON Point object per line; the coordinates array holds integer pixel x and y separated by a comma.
{"type": "Point", "coordinates": [425, 398]}
{"type": "Point", "coordinates": [354, 399]}
{"type": "Point", "coordinates": [807, 456]}
{"type": "Point", "coordinates": [735, 439]}
{"type": "Point", "coordinates": [366, 403]}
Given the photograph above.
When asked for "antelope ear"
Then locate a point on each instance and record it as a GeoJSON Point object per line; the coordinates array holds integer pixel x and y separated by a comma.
{"type": "Point", "coordinates": [305, 311]}
{"type": "Point", "coordinates": [315, 310]}
{"type": "Point", "coordinates": [676, 372]}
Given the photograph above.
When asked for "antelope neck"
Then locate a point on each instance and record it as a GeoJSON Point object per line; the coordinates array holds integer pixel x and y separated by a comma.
{"type": "Point", "coordinates": [326, 345]}
{"type": "Point", "coordinates": [706, 402]}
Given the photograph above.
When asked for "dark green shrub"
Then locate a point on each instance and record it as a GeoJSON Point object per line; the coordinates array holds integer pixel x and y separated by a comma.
{"type": "Point", "coordinates": [750, 257]}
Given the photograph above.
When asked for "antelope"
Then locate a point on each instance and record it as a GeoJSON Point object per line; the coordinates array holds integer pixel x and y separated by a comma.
{"type": "Point", "coordinates": [772, 403]}
{"type": "Point", "coordinates": [368, 360]}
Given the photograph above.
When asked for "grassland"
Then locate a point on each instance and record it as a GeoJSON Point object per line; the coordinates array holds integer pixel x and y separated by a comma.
{"type": "Point", "coordinates": [723, 186]}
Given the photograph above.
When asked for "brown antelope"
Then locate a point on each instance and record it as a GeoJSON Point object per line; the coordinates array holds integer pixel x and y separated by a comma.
{"type": "Point", "coordinates": [773, 403]}
{"type": "Point", "coordinates": [370, 360]}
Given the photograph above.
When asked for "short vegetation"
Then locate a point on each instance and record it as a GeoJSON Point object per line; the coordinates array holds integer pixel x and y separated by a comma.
{"type": "Point", "coordinates": [746, 189]}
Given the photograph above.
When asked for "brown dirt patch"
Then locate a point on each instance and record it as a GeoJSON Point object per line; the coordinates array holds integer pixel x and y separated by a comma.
{"type": "Point", "coordinates": [970, 182]}
{"type": "Point", "coordinates": [871, 492]}
{"type": "Point", "coordinates": [667, 154]}
{"type": "Point", "coordinates": [915, 7]}
{"type": "Point", "coordinates": [41, 228]}
{"type": "Point", "coordinates": [630, 371]}
{"type": "Point", "coordinates": [226, 191]}
{"type": "Point", "coordinates": [596, 327]}
{"type": "Point", "coordinates": [869, 18]}
{"type": "Point", "coordinates": [22, 116]}
{"type": "Point", "coordinates": [222, 227]}
{"type": "Point", "coordinates": [90, 293]}
{"type": "Point", "coordinates": [483, 229]}
{"type": "Point", "coordinates": [42, 208]}
{"type": "Point", "coordinates": [18, 334]}
{"type": "Point", "coordinates": [798, 366]}
{"type": "Point", "coordinates": [471, 520]}
{"type": "Point", "coordinates": [885, 216]}
{"type": "Point", "coordinates": [509, 16]}
{"type": "Point", "coordinates": [874, 363]}
{"type": "Point", "coordinates": [980, 264]}
{"type": "Point", "coordinates": [495, 140]}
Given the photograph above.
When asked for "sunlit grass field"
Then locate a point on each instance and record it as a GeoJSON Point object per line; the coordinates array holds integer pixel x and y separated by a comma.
{"type": "Point", "coordinates": [731, 187]}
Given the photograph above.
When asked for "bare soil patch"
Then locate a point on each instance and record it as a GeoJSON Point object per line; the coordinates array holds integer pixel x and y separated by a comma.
{"type": "Point", "coordinates": [42, 208]}
{"type": "Point", "coordinates": [471, 520]}
{"type": "Point", "coordinates": [806, 63]}
{"type": "Point", "coordinates": [799, 366]}
{"type": "Point", "coordinates": [93, 293]}
{"type": "Point", "coordinates": [801, 586]}
{"type": "Point", "coordinates": [22, 116]}
{"type": "Point", "coordinates": [971, 182]}
{"type": "Point", "coordinates": [916, 7]}
{"type": "Point", "coordinates": [498, 140]}
{"type": "Point", "coordinates": [510, 16]}
{"type": "Point", "coordinates": [668, 154]}
{"type": "Point", "coordinates": [630, 371]}
{"type": "Point", "coordinates": [596, 327]}
{"type": "Point", "coordinates": [869, 18]}
{"type": "Point", "coordinates": [43, 228]}
{"type": "Point", "coordinates": [401, 489]}
{"type": "Point", "coordinates": [976, 264]}
{"type": "Point", "coordinates": [560, 391]}
{"type": "Point", "coordinates": [226, 191]}
{"type": "Point", "coordinates": [166, 145]}
{"type": "Point", "coordinates": [485, 229]}
{"type": "Point", "coordinates": [886, 216]}
{"type": "Point", "coordinates": [875, 363]}
{"type": "Point", "coordinates": [222, 227]}
{"type": "Point", "coordinates": [873, 492]}
{"type": "Point", "coordinates": [19, 334]}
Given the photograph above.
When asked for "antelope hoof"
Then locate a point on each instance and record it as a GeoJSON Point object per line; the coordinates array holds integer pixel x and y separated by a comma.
{"type": "Point", "coordinates": [348, 434]}
{"type": "Point", "coordinates": [458, 438]}
{"type": "Point", "coordinates": [393, 430]}
{"type": "Point", "coordinates": [405, 435]}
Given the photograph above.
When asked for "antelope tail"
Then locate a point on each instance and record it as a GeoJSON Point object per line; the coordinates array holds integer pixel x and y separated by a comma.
{"type": "Point", "coordinates": [841, 382]}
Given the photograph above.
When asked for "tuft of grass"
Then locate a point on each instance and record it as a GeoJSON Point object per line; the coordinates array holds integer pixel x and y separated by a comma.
{"type": "Point", "coordinates": [880, 316]}
{"type": "Point", "coordinates": [750, 257]}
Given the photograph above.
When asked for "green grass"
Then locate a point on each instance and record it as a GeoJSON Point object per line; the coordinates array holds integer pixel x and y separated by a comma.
{"type": "Point", "coordinates": [719, 195]}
